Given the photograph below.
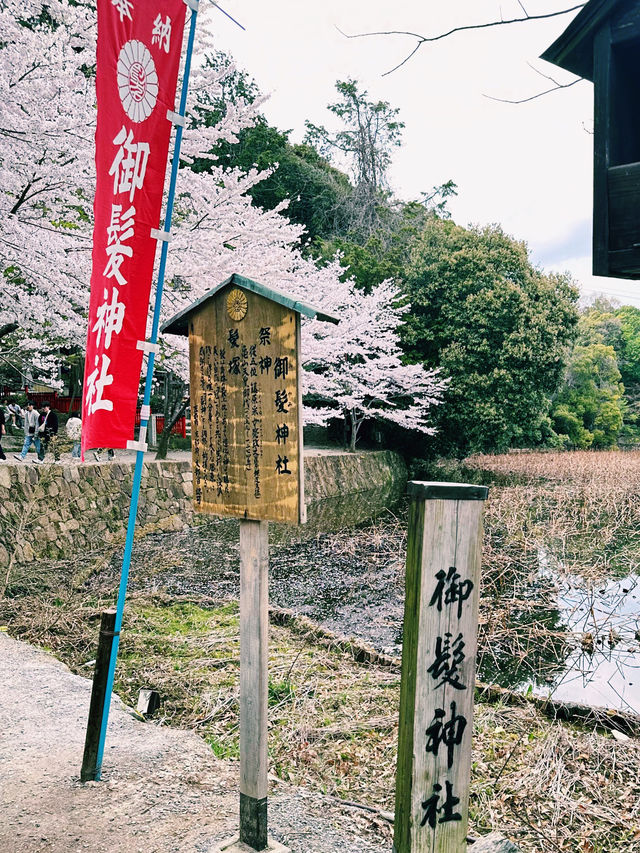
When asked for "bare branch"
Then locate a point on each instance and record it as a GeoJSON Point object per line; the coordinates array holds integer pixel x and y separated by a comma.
{"type": "Point", "coordinates": [539, 95]}
{"type": "Point", "coordinates": [424, 39]}
{"type": "Point", "coordinates": [8, 328]}
{"type": "Point", "coordinates": [546, 76]}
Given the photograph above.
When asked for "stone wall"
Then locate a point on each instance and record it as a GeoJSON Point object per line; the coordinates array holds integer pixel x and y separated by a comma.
{"type": "Point", "coordinates": [57, 511]}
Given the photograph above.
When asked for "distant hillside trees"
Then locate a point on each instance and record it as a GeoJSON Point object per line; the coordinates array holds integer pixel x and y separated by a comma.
{"type": "Point", "coordinates": [599, 401]}
{"type": "Point", "coordinates": [589, 409]}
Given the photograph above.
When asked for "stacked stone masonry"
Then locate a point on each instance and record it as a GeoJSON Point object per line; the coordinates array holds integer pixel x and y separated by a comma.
{"type": "Point", "coordinates": [57, 511]}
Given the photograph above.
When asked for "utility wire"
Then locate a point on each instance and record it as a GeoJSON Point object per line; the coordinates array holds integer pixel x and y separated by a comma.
{"type": "Point", "coordinates": [231, 18]}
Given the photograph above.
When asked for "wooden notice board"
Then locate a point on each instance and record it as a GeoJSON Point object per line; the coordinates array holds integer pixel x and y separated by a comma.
{"type": "Point", "coordinates": [246, 408]}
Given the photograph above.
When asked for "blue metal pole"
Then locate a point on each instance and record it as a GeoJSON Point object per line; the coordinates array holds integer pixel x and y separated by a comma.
{"type": "Point", "coordinates": [137, 476]}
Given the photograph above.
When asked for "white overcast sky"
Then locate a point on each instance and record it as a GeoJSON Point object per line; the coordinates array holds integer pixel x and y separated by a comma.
{"type": "Point", "coordinates": [527, 167]}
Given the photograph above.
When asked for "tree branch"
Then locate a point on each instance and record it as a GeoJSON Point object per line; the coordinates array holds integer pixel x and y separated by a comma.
{"type": "Point", "coordinates": [424, 39]}
{"type": "Point", "coordinates": [539, 95]}
{"type": "Point", "coordinates": [8, 328]}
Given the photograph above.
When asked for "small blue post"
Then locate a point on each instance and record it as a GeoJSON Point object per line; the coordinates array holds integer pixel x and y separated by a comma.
{"type": "Point", "coordinates": [137, 477]}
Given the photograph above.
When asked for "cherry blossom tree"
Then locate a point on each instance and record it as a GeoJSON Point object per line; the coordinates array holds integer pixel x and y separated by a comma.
{"type": "Point", "coordinates": [356, 367]}
{"type": "Point", "coordinates": [46, 166]}
{"type": "Point", "coordinates": [47, 175]}
{"type": "Point", "coordinates": [47, 181]}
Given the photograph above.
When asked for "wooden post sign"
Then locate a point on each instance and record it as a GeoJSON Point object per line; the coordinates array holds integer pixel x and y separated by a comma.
{"type": "Point", "coordinates": [438, 667]}
{"type": "Point", "coordinates": [246, 442]}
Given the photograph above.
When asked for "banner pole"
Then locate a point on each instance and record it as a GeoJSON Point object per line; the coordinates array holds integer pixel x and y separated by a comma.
{"type": "Point", "coordinates": [137, 477]}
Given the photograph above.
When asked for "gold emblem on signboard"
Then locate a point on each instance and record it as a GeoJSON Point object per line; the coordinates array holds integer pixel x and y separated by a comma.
{"type": "Point", "coordinates": [237, 304]}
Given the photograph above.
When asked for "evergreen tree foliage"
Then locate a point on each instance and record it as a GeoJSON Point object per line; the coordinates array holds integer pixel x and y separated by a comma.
{"type": "Point", "coordinates": [599, 400]}
{"type": "Point", "coordinates": [589, 409]}
{"type": "Point", "coordinates": [498, 327]}
{"type": "Point", "coordinates": [297, 175]}
{"type": "Point", "coordinates": [314, 190]}
{"type": "Point", "coordinates": [369, 132]}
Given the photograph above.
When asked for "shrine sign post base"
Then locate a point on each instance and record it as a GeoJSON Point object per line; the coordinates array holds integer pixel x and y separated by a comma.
{"type": "Point", "coordinates": [254, 660]}
{"type": "Point", "coordinates": [234, 845]}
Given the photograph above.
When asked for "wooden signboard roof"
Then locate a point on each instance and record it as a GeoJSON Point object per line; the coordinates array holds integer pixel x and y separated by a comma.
{"type": "Point", "coordinates": [179, 323]}
{"type": "Point", "coordinates": [573, 50]}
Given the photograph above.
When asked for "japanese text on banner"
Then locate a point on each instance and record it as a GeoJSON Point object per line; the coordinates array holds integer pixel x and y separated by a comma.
{"type": "Point", "coordinates": [138, 55]}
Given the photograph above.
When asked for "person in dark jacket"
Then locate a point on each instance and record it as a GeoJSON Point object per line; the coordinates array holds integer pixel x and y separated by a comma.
{"type": "Point", "coordinates": [48, 432]}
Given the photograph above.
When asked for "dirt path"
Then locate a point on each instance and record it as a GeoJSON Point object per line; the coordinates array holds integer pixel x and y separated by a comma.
{"type": "Point", "coordinates": [162, 790]}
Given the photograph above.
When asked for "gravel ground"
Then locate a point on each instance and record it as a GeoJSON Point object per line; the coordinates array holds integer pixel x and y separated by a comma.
{"type": "Point", "coordinates": [162, 790]}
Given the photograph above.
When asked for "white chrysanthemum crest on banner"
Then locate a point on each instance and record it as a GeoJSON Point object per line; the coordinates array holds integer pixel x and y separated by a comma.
{"type": "Point", "coordinates": [137, 80]}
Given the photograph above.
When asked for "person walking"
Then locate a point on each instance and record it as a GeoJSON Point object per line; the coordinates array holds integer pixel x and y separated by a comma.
{"type": "Point", "coordinates": [31, 422]}
{"type": "Point", "coordinates": [3, 430]}
{"type": "Point", "coordinates": [48, 433]}
{"type": "Point", "coordinates": [73, 429]}
{"type": "Point", "coordinates": [16, 415]}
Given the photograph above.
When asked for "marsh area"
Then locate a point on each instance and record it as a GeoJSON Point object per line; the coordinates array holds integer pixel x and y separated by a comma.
{"type": "Point", "coordinates": [560, 607]}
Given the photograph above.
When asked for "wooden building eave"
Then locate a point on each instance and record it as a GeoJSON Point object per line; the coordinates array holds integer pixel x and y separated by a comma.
{"type": "Point", "coordinates": [573, 50]}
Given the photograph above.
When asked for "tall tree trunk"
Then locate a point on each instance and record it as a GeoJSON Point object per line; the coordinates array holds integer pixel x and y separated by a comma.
{"type": "Point", "coordinates": [345, 429]}
{"type": "Point", "coordinates": [169, 423]}
{"type": "Point", "coordinates": [354, 430]}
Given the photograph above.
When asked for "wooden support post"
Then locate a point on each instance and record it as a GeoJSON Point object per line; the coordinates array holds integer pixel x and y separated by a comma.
{"type": "Point", "coordinates": [438, 667]}
{"type": "Point", "coordinates": [90, 770]}
{"type": "Point", "coordinates": [254, 628]}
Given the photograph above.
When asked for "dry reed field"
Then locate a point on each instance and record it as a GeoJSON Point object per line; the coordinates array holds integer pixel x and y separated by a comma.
{"type": "Point", "coordinates": [557, 524]}
{"type": "Point", "coordinates": [585, 466]}
{"type": "Point", "coordinates": [583, 506]}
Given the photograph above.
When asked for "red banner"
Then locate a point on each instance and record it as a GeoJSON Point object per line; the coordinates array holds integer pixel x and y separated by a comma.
{"type": "Point", "coordinates": [139, 47]}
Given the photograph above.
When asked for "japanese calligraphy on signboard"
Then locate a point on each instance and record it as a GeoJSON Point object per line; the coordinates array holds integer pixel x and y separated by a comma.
{"type": "Point", "coordinates": [438, 678]}
{"type": "Point", "coordinates": [138, 54]}
{"type": "Point", "coordinates": [246, 430]}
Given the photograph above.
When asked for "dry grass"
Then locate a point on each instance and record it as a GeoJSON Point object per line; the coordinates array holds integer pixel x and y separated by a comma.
{"type": "Point", "coordinates": [582, 506]}
{"type": "Point", "coordinates": [333, 722]}
{"type": "Point", "coordinates": [578, 514]}
{"type": "Point", "coordinates": [599, 468]}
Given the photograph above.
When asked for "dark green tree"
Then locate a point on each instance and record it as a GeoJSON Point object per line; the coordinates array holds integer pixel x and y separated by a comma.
{"type": "Point", "coordinates": [386, 253]}
{"type": "Point", "coordinates": [496, 325]}
{"type": "Point", "coordinates": [629, 352]}
{"type": "Point", "coordinates": [314, 189]}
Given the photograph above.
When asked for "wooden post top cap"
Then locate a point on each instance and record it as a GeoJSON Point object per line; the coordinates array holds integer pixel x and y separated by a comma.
{"type": "Point", "coordinates": [447, 491]}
